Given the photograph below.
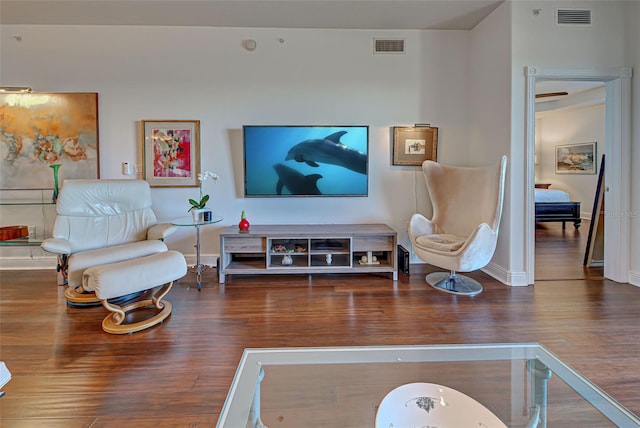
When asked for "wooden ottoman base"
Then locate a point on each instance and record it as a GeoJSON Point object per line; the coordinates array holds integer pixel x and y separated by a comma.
{"type": "Point", "coordinates": [82, 299]}
{"type": "Point", "coordinates": [115, 323]}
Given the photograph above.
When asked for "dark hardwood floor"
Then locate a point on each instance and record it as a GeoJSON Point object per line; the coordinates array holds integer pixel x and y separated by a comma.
{"type": "Point", "coordinates": [554, 244]}
{"type": "Point", "coordinates": [68, 373]}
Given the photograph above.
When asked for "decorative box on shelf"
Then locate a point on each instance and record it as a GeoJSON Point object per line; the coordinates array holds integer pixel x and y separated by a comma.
{"type": "Point", "coordinates": [8, 233]}
{"type": "Point", "coordinates": [32, 210]}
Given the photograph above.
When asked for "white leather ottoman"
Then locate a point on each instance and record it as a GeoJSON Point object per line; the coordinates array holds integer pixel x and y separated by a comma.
{"type": "Point", "coordinates": [155, 271]}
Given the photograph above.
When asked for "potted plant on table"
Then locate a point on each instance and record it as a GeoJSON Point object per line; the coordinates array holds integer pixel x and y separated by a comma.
{"type": "Point", "coordinates": [199, 206]}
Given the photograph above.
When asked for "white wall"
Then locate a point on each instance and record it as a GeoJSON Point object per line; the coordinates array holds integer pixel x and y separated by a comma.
{"type": "Point", "coordinates": [570, 126]}
{"type": "Point", "coordinates": [632, 52]}
{"type": "Point", "coordinates": [313, 77]}
{"type": "Point", "coordinates": [537, 41]}
{"type": "Point", "coordinates": [324, 76]}
{"type": "Point", "coordinates": [489, 96]}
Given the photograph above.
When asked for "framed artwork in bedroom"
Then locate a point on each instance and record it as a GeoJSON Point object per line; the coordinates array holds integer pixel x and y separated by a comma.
{"type": "Point", "coordinates": [576, 158]}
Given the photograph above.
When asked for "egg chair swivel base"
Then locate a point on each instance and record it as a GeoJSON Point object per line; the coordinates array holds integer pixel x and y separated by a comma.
{"type": "Point", "coordinates": [453, 283]}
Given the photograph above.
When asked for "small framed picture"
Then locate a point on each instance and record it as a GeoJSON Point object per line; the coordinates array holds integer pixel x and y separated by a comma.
{"type": "Point", "coordinates": [171, 151]}
{"type": "Point", "coordinates": [414, 144]}
{"type": "Point", "coordinates": [576, 158]}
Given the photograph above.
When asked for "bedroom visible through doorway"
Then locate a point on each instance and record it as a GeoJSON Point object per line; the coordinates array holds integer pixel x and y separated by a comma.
{"type": "Point", "coordinates": [568, 114]}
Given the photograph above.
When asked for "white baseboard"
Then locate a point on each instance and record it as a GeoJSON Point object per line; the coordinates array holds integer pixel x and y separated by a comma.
{"type": "Point", "coordinates": [27, 263]}
{"type": "Point", "coordinates": [49, 262]}
{"type": "Point", "coordinates": [205, 259]}
{"type": "Point", "coordinates": [514, 279]}
{"type": "Point", "coordinates": [634, 278]}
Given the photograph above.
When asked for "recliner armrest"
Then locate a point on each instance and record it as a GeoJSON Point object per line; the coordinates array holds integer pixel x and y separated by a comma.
{"type": "Point", "coordinates": [56, 245]}
{"type": "Point", "coordinates": [160, 230]}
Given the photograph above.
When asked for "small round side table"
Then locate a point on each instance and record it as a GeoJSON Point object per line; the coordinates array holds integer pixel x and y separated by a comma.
{"type": "Point", "coordinates": [188, 221]}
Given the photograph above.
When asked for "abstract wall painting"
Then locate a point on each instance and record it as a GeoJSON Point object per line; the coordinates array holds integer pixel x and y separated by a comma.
{"type": "Point", "coordinates": [38, 130]}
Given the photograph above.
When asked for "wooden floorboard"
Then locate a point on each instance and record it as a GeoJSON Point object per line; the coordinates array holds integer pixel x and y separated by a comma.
{"type": "Point", "coordinates": [560, 253]}
{"type": "Point", "coordinates": [68, 372]}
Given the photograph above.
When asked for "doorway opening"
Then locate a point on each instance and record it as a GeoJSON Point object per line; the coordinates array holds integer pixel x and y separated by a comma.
{"type": "Point", "coordinates": [569, 118]}
{"type": "Point", "coordinates": [617, 84]}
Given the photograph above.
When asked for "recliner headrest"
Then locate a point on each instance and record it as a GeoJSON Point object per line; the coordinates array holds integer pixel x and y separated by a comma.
{"type": "Point", "coordinates": [99, 198]}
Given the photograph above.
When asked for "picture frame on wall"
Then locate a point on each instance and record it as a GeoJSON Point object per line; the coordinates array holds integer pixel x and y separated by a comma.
{"type": "Point", "coordinates": [576, 158]}
{"type": "Point", "coordinates": [412, 145]}
{"type": "Point", "coordinates": [45, 132]}
{"type": "Point", "coordinates": [171, 152]}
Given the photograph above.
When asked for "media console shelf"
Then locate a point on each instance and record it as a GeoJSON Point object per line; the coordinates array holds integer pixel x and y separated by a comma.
{"type": "Point", "coordinates": [317, 248]}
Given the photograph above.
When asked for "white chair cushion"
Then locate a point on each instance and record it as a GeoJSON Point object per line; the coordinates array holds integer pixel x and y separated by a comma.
{"type": "Point", "coordinates": [442, 242]}
{"type": "Point", "coordinates": [80, 261]}
{"type": "Point", "coordinates": [113, 280]}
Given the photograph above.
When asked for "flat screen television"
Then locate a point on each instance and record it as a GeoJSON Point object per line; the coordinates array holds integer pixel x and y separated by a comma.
{"type": "Point", "coordinates": [294, 161]}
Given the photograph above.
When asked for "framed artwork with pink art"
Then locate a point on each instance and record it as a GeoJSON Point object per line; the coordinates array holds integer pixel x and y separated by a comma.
{"type": "Point", "coordinates": [171, 151]}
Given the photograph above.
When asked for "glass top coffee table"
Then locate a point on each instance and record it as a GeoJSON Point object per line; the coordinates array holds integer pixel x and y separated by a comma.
{"type": "Point", "coordinates": [518, 385]}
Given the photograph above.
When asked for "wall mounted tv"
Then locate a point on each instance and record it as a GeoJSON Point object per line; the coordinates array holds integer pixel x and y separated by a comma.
{"type": "Point", "coordinates": [291, 161]}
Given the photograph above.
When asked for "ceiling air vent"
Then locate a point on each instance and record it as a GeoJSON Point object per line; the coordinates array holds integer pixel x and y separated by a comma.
{"type": "Point", "coordinates": [388, 46]}
{"type": "Point", "coordinates": [573, 17]}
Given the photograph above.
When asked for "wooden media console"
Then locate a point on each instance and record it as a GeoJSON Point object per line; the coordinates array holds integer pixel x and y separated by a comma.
{"type": "Point", "coordinates": [307, 249]}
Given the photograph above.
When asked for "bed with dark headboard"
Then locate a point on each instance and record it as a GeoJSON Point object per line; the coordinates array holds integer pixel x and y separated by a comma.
{"type": "Point", "coordinates": [556, 205]}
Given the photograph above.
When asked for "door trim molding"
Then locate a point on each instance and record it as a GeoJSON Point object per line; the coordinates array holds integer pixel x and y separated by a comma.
{"type": "Point", "coordinates": [617, 174]}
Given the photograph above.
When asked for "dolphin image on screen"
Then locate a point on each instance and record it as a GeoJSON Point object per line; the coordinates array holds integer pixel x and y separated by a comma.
{"type": "Point", "coordinates": [329, 150]}
{"type": "Point", "coordinates": [297, 183]}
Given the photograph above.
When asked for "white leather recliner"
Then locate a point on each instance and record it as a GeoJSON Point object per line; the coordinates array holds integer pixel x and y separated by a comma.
{"type": "Point", "coordinates": [462, 234]}
{"type": "Point", "coordinates": [100, 222]}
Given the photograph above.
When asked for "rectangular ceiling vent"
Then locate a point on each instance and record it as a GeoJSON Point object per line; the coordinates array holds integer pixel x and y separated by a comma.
{"type": "Point", "coordinates": [581, 17]}
{"type": "Point", "coordinates": [384, 46]}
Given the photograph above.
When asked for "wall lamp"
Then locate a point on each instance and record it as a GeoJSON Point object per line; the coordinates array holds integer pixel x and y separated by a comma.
{"type": "Point", "coordinates": [18, 89]}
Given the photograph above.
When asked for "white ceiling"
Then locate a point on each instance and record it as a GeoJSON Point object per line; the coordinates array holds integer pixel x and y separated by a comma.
{"type": "Point", "coordinates": [338, 14]}
{"type": "Point", "coordinates": [570, 86]}
{"type": "Point", "coordinates": [573, 88]}
{"type": "Point", "coordinates": [343, 14]}
{"type": "Point", "coordinates": [579, 94]}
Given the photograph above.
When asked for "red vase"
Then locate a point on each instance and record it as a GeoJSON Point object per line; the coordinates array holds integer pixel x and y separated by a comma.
{"type": "Point", "coordinates": [244, 223]}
